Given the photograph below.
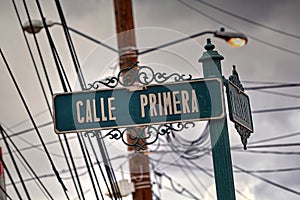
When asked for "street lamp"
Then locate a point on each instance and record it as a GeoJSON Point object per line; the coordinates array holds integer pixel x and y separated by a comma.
{"type": "Point", "coordinates": [232, 38]}
{"type": "Point", "coordinates": [37, 26]}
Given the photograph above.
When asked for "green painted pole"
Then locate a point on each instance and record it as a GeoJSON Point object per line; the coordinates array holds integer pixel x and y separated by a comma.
{"type": "Point", "coordinates": [211, 61]}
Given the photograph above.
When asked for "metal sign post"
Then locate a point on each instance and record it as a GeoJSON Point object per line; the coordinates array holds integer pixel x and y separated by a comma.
{"type": "Point", "coordinates": [211, 61]}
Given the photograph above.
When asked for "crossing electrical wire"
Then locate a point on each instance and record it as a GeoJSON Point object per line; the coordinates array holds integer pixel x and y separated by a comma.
{"type": "Point", "coordinates": [249, 20]}
{"type": "Point", "coordinates": [284, 136]}
{"type": "Point", "coordinates": [280, 94]}
{"type": "Point", "coordinates": [30, 169]}
{"type": "Point", "coordinates": [32, 58]}
{"type": "Point", "coordinates": [229, 26]}
{"type": "Point", "coordinates": [174, 184]}
{"type": "Point", "coordinates": [275, 110]}
{"type": "Point", "coordinates": [34, 123]}
{"type": "Point", "coordinates": [30, 129]}
{"type": "Point", "coordinates": [267, 181]}
{"type": "Point", "coordinates": [15, 163]}
{"type": "Point", "coordinates": [284, 153]}
{"type": "Point", "coordinates": [10, 178]}
{"type": "Point", "coordinates": [287, 85]}
{"type": "Point", "coordinates": [47, 78]}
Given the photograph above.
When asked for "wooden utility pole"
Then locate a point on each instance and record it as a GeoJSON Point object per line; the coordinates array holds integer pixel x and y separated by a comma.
{"type": "Point", "coordinates": [138, 161]}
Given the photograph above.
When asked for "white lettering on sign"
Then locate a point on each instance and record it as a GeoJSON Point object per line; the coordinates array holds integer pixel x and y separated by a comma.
{"type": "Point", "coordinates": [90, 114]}
{"type": "Point", "coordinates": [169, 103]}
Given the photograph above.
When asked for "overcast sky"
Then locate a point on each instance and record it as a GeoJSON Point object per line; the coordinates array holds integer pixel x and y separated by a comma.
{"type": "Point", "coordinates": [157, 22]}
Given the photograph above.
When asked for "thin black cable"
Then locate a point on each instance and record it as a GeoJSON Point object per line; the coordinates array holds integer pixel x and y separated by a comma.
{"type": "Point", "coordinates": [15, 163]}
{"type": "Point", "coordinates": [61, 74]}
{"type": "Point", "coordinates": [172, 183]}
{"type": "Point", "coordinates": [34, 124]}
{"type": "Point", "coordinates": [275, 110]}
{"type": "Point", "coordinates": [92, 167]}
{"type": "Point", "coordinates": [76, 65]}
{"type": "Point", "coordinates": [229, 26]}
{"type": "Point", "coordinates": [287, 85]}
{"type": "Point", "coordinates": [191, 180]}
{"type": "Point", "coordinates": [264, 82]}
{"type": "Point", "coordinates": [37, 146]}
{"type": "Point", "coordinates": [86, 156]}
{"type": "Point", "coordinates": [25, 120]}
{"type": "Point", "coordinates": [198, 180]}
{"type": "Point", "coordinates": [268, 181]}
{"type": "Point", "coordinates": [70, 44]}
{"type": "Point", "coordinates": [99, 165]}
{"type": "Point", "coordinates": [112, 172]}
{"type": "Point", "coordinates": [63, 79]}
{"type": "Point", "coordinates": [26, 162]}
{"type": "Point", "coordinates": [279, 93]}
{"type": "Point", "coordinates": [81, 80]}
{"type": "Point", "coordinates": [74, 57]}
{"type": "Point", "coordinates": [283, 153]}
{"type": "Point", "coordinates": [31, 175]}
{"type": "Point", "coordinates": [269, 146]}
{"type": "Point", "coordinates": [29, 130]}
{"type": "Point", "coordinates": [69, 166]}
{"type": "Point", "coordinates": [107, 168]}
{"type": "Point", "coordinates": [10, 178]}
{"type": "Point", "coordinates": [176, 41]}
{"type": "Point", "coordinates": [212, 176]}
{"type": "Point", "coordinates": [64, 171]}
{"type": "Point", "coordinates": [89, 38]}
{"type": "Point", "coordinates": [248, 20]}
{"type": "Point", "coordinates": [38, 47]}
{"type": "Point", "coordinates": [3, 190]}
{"type": "Point", "coordinates": [275, 138]}
{"type": "Point", "coordinates": [32, 59]}
{"type": "Point", "coordinates": [271, 170]}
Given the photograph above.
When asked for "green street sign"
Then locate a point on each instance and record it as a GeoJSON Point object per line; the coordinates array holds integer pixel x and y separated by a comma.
{"type": "Point", "coordinates": [199, 99]}
{"type": "Point", "coordinates": [239, 107]}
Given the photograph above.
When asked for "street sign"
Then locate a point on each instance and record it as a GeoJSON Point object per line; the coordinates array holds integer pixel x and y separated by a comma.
{"type": "Point", "coordinates": [239, 107]}
{"type": "Point", "coordinates": [199, 99]}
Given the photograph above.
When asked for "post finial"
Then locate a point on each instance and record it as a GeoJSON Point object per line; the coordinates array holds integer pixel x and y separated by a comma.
{"type": "Point", "coordinates": [209, 46]}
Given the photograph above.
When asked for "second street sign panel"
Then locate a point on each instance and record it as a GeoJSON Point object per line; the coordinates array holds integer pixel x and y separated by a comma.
{"type": "Point", "coordinates": [239, 107]}
{"type": "Point", "coordinates": [156, 104]}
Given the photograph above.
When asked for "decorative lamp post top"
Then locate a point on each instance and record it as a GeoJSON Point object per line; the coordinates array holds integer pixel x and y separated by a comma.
{"type": "Point", "coordinates": [210, 53]}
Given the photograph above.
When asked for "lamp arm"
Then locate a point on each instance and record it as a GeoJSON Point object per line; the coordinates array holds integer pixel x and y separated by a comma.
{"type": "Point", "coordinates": [176, 41]}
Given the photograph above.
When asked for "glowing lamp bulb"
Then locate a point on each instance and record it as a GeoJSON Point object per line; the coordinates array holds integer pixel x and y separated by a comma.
{"type": "Point", "coordinates": [236, 42]}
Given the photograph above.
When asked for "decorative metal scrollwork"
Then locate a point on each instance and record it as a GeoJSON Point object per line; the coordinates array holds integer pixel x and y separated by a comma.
{"type": "Point", "coordinates": [244, 134]}
{"type": "Point", "coordinates": [136, 74]}
{"type": "Point", "coordinates": [235, 79]}
{"type": "Point", "coordinates": [140, 137]}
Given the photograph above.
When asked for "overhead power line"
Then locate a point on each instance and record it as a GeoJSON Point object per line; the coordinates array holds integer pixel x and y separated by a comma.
{"type": "Point", "coordinates": [229, 26]}
{"type": "Point", "coordinates": [34, 124]}
{"type": "Point", "coordinates": [15, 163]}
{"type": "Point", "coordinates": [268, 181]}
{"type": "Point", "coordinates": [284, 153]}
{"type": "Point", "coordinates": [269, 145]}
{"type": "Point", "coordinates": [26, 163]}
{"type": "Point", "coordinates": [276, 110]}
{"type": "Point", "coordinates": [273, 86]}
{"type": "Point", "coordinates": [29, 130]}
{"type": "Point", "coordinates": [279, 94]}
{"type": "Point", "coordinates": [275, 138]}
{"type": "Point", "coordinates": [249, 20]}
